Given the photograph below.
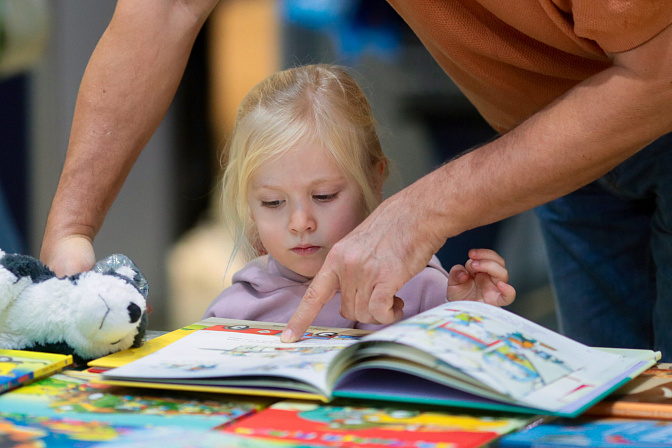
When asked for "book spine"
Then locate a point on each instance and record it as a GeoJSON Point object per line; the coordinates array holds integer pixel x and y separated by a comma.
{"type": "Point", "coordinates": [16, 382]}
{"type": "Point", "coordinates": [52, 368]}
{"type": "Point", "coordinates": [630, 409]}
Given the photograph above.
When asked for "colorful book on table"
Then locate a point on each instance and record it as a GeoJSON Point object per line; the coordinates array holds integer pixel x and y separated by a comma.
{"type": "Point", "coordinates": [594, 433]}
{"type": "Point", "coordinates": [18, 367]}
{"type": "Point", "coordinates": [123, 357]}
{"type": "Point", "coordinates": [647, 396]}
{"type": "Point", "coordinates": [72, 395]}
{"type": "Point", "coordinates": [382, 426]}
{"type": "Point", "coordinates": [459, 354]}
{"type": "Point", "coordinates": [18, 430]}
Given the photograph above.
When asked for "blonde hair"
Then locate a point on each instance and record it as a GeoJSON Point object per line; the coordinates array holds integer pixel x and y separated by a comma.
{"type": "Point", "coordinates": [316, 104]}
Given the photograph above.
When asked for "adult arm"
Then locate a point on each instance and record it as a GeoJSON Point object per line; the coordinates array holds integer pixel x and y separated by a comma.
{"type": "Point", "coordinates": [125, 92]}
{"type": "Point", "coordinates": [575, 140]}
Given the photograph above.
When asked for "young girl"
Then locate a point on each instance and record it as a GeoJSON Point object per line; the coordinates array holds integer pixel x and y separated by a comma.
{"type": "Point", "coordinates": [305, 167]}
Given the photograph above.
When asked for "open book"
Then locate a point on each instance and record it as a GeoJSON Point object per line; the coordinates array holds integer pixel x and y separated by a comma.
{"type": "Point", "coordinates": [464, 354]}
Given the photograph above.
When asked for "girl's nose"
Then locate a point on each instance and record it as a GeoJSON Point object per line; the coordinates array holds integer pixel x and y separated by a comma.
{"type": "Point", "coordinates": [302, 220]}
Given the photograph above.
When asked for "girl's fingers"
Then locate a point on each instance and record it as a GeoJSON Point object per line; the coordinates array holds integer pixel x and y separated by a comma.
{"type": "Point", "coordinates": [486, 254]}
{"type": "Point", "coordinates": [508, 294]}
{"type": "Point", "coordinates": [458, 275]}
{"type": "Point", "coordinates": [494, 269]}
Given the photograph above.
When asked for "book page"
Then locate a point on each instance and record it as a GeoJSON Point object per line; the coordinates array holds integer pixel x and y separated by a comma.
{"type": "Point", "coordinates": [234, 351]}
{"type": "Point", "coordinates": [535, 366]}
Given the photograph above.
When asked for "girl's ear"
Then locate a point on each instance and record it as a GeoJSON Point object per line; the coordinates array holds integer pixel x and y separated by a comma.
{"type": "Point", "coordinates": [378, 178]}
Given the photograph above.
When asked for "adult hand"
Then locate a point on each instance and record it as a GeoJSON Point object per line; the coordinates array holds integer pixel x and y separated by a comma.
{"type": "Point", "coordinates": [70, 255]}
{"type": "Point", "coordinates": [371, 264]}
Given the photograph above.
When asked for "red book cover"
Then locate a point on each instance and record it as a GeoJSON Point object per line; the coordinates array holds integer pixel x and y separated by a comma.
{"type": "Point", "coordinates": [373, 427]}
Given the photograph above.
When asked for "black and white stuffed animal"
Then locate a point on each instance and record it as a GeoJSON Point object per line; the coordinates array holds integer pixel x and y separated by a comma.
{"type": "Point", "coordinates": [88, 315]}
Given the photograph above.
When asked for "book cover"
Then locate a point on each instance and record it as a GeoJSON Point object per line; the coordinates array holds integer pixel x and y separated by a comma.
{"type": "Point", "coordinates": [64, 396]}
{"type": "Point", "coordinates": [459, 354]}
{"type": "Point", "coordinates": [647, 396]}
{"type": "Point", "coordinates": [17, 430]}
{"type": "Point", "coordinates": [19, 367]}
{"type": "Point", "coordinates": [595, 433]}
{"type": "Point", "coordinates": [123, 357]}
{"type": "Point", "coordinates": [375, 426]}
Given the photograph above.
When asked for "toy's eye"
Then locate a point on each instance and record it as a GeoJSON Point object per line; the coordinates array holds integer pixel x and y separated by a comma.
{"type": "Point", "coordinates": [134, 312]}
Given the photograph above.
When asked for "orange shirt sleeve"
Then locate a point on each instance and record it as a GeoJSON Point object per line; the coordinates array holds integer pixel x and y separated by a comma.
{"type": "Point", "coordinates": [617, 25]}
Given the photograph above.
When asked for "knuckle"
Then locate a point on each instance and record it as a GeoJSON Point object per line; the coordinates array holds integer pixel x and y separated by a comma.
{"type": "Point", "coordinates": [312, 297]}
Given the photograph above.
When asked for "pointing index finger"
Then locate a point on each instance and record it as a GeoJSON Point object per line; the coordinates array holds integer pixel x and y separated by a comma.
{"type": "Point", "coordinates": [323, 287]}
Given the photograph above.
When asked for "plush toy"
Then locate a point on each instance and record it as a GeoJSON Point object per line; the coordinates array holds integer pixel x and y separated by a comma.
{"type": "Point", "coordinates": [88, 315]}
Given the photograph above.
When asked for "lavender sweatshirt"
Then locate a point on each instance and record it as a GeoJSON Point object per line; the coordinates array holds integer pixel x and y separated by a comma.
{"type": "Point", "coordinates": [265, 290]}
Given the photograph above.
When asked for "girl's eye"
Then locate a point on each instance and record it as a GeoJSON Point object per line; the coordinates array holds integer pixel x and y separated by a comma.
{"type": "Point", "coordinates": [271, 204]}
{"type": "Point", "coordinates": [325, 197]}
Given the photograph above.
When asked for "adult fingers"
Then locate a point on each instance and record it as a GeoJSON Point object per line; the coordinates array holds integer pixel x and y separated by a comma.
{"type": "Point", "coordinates": [362, 308]}
{"type": "Point", "coordinates": [323, 287]}
{"type": "Point", "coordinates": [384, 304]}
{"type": "Point", "coordinates": [398, 308]}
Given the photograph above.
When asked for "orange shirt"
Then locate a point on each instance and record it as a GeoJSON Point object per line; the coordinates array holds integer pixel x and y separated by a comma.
{"type": "Point", "coordinates": [511, 58]}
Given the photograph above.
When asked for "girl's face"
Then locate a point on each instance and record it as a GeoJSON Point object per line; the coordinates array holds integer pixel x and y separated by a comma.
{"type": "Point", "coordinates": [303, 204]}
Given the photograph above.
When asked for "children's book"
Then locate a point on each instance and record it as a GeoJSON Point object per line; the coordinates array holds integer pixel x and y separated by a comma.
{"type": "Point", "coordinates": [123, 357]}
{"type": "Point", "coordinates": [181, 438]}
{"type": "Point", "coordinates": [19, 430]}
{"type": "Point", "coordinates": [595, 433]}
{"type": "Point", "coordinates": [647, 396]}
{"type": "Point", "coordinates": [350, 425]}
{"type": "Point", "coordinates": [66, 396]}
{"type": "Point", "coordinates": [458, 354]}
{"type": "Point", "coordinates": [19, 367]}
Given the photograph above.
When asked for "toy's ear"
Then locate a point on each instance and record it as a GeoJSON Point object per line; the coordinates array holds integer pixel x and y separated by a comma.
{"type": "Point", "coordinates": [122, 266]}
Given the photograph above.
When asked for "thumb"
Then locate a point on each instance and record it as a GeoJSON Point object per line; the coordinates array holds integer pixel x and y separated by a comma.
{"type": "Point", "coordinates": [323, 287]}
{"type": "Point", "coordinates": [458, 274]}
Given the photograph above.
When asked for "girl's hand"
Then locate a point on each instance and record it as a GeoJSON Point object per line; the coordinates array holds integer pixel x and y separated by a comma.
{"type": "Point", "coordinates": [483, 278]}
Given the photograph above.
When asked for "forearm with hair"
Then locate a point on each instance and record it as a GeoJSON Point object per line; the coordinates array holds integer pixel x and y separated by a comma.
{"type": "Point", "coordinates": [125, 92]}
{"type": "Point", "coordinates": [575, 140]}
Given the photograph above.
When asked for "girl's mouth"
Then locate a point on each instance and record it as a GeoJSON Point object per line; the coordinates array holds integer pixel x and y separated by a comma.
{"type": "Point", "coordinates": [305, 250]}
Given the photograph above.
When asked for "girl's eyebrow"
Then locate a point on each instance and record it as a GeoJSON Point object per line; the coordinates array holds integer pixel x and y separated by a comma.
{"type": "Point", "coordinates": [324, 180]}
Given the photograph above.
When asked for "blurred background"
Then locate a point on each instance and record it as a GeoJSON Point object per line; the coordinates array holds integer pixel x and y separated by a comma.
{"type": "Point", "coordinates": [167, 217]}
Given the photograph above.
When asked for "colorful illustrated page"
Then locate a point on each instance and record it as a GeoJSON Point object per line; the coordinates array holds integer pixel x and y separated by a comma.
{"type": "Point", "coordinates": [62, 396]}
{"type": "Point", "coordinates": [509, 354]}
{"type": "Point", "coordinates": [230, 351]}
{"type": "Point", "coordinates": [374, 427]}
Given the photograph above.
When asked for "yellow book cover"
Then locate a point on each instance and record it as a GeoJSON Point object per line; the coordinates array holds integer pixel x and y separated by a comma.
{"type": "Point", "coordinates": [123, 357]}
{"type": "Point", "coordinates": [18, 367]}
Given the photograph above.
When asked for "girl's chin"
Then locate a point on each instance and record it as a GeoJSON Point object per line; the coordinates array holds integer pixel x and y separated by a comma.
{"type": "Point", "coordinates": [306, 271]}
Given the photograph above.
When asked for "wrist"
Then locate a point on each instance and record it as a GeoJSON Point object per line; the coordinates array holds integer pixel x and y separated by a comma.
{"type": "Point", "coordinates": [60, 229]}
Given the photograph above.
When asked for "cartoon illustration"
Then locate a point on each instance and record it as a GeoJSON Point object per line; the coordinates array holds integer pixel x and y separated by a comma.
{"type": "Point", "coordinates": [272, 351]}
{"type": "Point", "coordinates": [350, 426]}
{"type": "Point", "coordinates": [68, 395]}
{"type": "Point", "coordinates": [392, 419]}
{"type": "Point", "coordinates": [245, 329]}
{"type": "Point", "coordinates": [518, 361]}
